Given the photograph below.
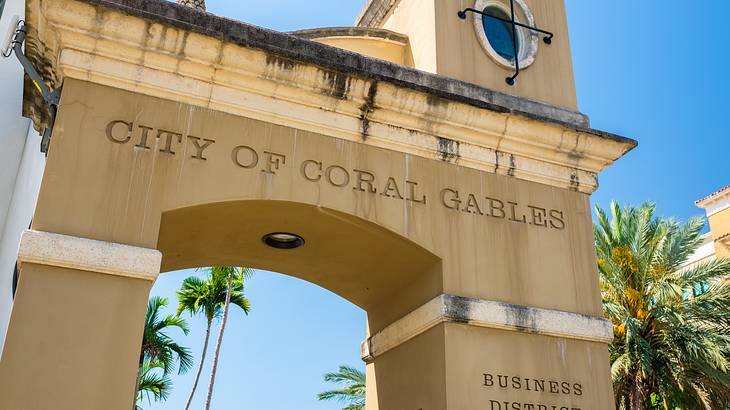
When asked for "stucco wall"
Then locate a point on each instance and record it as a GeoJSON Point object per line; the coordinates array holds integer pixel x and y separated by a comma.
{"type": "Point", "coordinates": [720, 226]}
{"type": "Point", "coordinates": [443, 44]}
{"type": "Point", "coordinates": [417, 20]}
{"type": "Point", "coordinates": [21, 166]}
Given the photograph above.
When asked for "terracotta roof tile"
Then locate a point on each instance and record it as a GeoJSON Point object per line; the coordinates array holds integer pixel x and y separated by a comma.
{"type": "Point", "coordinates": [713, 195]}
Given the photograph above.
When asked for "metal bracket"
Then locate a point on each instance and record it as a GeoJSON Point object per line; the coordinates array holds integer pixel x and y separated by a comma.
{"type": "Point", "coordinates": [548, 39]}
{"type": "Point", "coordinates": [51, 97]}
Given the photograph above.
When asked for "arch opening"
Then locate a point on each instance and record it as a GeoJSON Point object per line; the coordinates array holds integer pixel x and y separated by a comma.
{"type": "Point", "coordinates": [356, 259]}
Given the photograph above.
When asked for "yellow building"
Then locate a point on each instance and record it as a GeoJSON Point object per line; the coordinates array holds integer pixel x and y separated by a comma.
{"type": "Point", "coordinates": [716, 242]}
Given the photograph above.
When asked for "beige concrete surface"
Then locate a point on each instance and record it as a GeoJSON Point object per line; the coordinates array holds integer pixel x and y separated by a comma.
{"type": "Point", "coordinates": [395, 52]}
{"type": "Point", "coordinates": [486, 314]}
{"type": "Point", "coordinates": [73, 340]}
{"type": "Point", "coordinates": [185, 141]}
{"type": "Point", "coordinates": [71, 252]}
{"type": "Point", "coordinates": [720, 227]}
{"type": "Point", "coordinates": [443, 44]}
{"type": "Point", "coordinates": [489, 236]}
{"type": "Point", "coordinates": [386, 230]}
{"type": "Point", "coordinates": [164, 60]}
{"type": "Point", "coordinates": [417, 20]}
{"type": "Point", "coordinates": [539, 370]}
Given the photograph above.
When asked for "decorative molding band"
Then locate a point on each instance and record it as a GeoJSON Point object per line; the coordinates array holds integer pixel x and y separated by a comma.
{"type": "Point", "coordinates": [719, 204]}
{"type": "Point", "coordinates": [490, 314]}
{"type": "Point", "coordinates": [161, 50]}
{"type": "Point", "coordinates": [45, 248]}
{"type": "Point", "coordinates": [374, 12]}
{"type": "Point", "coordinates": [724, 239]}
{"type": "Point", "coordinates": [362, 32]}
{"type": "Point", "coordinates": [720, 194]}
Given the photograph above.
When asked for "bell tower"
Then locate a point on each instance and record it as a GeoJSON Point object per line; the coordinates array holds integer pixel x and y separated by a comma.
{"type": "Point", "coordinates": [474, 41]}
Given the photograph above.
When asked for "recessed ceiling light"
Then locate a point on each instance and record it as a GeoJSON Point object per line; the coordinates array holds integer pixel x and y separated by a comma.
{"type": "Point", "coordinates": [283, 240]}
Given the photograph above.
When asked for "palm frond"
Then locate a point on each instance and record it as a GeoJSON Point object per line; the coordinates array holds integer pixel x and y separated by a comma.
{"type": "Point", "coordinates": [157, 346]}
{"type": "Point", "coordinates": [154, 385]}
{"type": "Point", "coordinates": [668, 350]}
{"type": "Point", "coordinates": [352, 394]}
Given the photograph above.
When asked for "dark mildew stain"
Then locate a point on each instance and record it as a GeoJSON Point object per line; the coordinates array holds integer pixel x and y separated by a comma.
{"type": "Point", "coordinates": [184, 44]}
{"type": "Point", "coordinates": [574, 180]}
{"type": "Point", "coordinates": [575, 155]}
{"type": "Point", "coordinates": [511, 170]}
{"type": "Point", "coordinates": [148, 34]}
{"type": "Point", "coordinates": [458, 309]}
{"type": "Point", "coordinates": [280, 63]}
{"type": "Point", "coordinates": [435, 101]}
{"type": "Point", "coordinates": [163, 38]}
{"type": "Point", "coordinates": [497, 155]}
{"type": "Point", "coordinates": [339, 84]}
{"type": "Point", "coordinates": [522, 317]}
{"type": "Point", "coordinates": [448, 149]}
{"type": "Point", "coordinates": [366, 108]}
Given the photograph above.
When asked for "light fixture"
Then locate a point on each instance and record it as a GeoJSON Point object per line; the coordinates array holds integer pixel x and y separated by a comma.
{"type": "Point", "coordinates": [283, 240]}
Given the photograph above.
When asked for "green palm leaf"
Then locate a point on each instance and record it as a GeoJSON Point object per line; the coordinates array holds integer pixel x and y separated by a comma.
{"type": "Point", "coordinates": [669, 350]}
{"type": "Point", "coordinates": [352, 392]}
{"type": "Point", "coordinates": [157, 345]}
{"type": "Point", "coordinates": [207, 296]}
{"type": "Point", "coordinates": [154, 385]}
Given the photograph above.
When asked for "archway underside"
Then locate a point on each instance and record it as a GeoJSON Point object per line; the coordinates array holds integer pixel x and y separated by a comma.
{"type": "Point", "coordinates": [356, 259]}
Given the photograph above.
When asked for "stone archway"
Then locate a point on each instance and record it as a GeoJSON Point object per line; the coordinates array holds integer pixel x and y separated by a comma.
{"type": "Point", "coordinates": [471, 254]}
{"type": "Point", "coordinates": [389, 232]}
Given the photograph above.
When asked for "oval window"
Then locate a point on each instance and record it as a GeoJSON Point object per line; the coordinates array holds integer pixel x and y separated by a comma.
{"type": "Point", "coordinates": [495, 34]}
{"type": "Point", "coordinates": [499, 33]}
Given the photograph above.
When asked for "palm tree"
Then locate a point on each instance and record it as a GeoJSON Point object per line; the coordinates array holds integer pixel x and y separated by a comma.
{"type": "Point", "coordinates": [152, 384]}
{"type": "Point", "coordinates": [669, 349]}
{"type": "Point", "coordinates": [234, 294]}
{"type": "Point", "coordinates": [352, 394]}
{"type": "Point", "coordinates": [208, 296]}
{"type": "Point", "coordinates": [157, 346]}
{"type": "Point", "coordinates": [159, 351]}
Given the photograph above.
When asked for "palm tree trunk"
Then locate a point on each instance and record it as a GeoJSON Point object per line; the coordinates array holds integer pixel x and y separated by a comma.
{"type": "Point", "coordinates": [200, 367]}
{"type": "Point", "coordinates": [638, 394]}
{"type": "Point", "coordinates": [636, 402]}
{"type": "Point", "coordinates": [218, 342]}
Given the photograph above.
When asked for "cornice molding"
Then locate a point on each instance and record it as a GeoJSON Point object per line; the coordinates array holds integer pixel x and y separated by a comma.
{"type": "Point", "coordinates": [486, 314]}
{"type": "Point", "coordinates": [52, 249]}
{"type": "Point", "coordinates": [368, 101]}
{"type": "Point", "coordinates": [359, 32]}
{"type": "Point", "coordinates": [716, 201]}
{"type": "Point", "coordinates": [374, 12]}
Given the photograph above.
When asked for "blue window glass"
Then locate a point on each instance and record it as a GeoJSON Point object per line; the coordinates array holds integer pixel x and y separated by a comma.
{"type": "Point", "coordinates": [499, 33]}
{"type": "Point", "coordinates": [701, 288]}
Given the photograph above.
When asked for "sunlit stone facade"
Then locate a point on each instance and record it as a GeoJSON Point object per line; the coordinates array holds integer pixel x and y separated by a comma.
{"type": "Point", "coordinates": [449, 203]}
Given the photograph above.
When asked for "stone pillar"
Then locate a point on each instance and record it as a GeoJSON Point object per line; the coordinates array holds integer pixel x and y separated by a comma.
{"type": "Point", "coordinates": [76, 326]}
{"type": "Point", "coordinates": [452, 352]}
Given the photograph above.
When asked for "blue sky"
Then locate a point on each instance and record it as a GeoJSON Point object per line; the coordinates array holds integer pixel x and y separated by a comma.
{"type": "Point", "coordinates": [652, 70]}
